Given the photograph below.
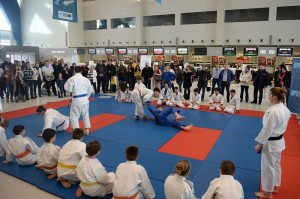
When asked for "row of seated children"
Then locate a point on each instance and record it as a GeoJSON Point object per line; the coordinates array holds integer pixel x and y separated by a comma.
{"type": "Point", "coordinates": [77, 162]}
{"type": "Point", "coordinates": [170, 98]}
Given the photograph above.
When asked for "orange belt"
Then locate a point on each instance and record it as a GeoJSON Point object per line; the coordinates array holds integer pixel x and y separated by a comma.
{"type": "Point", "coordinates": [49, 168]}
{"type": "Point", "coordinates": [131, 197]}
{"type": "Point", "coordinates": [22, 155]}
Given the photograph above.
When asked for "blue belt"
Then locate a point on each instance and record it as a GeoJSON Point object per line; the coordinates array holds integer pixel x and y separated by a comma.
{"type": "Point", "coordinates": [77, 96]}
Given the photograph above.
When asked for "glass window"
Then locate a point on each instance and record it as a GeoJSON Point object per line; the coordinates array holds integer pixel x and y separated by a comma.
{"type": "Point", "coordinates": [198, 17]}
{"type": "Point", "coordinates": [128, 22]}
{"type": "Point", "coordinates": [95, 24]}
{"type": "Point", "coordinates": [5, 38]}
{"type": "Point", "coordinates": [246, 15]}
{"type": "Point", "coordinates": [288, 13]}
{"type": "Point", "coordinates": [4, 23]}
{"type": "Point", "coordinates": [159, 20]}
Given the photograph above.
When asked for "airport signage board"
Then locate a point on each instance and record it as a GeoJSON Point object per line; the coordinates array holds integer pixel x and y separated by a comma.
{"type": "Point", "coordinates": [267, 51]}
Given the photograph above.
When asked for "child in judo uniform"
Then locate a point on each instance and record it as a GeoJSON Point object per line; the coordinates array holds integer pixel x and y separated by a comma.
{"type": "Point", "coordinates": [234, 103]}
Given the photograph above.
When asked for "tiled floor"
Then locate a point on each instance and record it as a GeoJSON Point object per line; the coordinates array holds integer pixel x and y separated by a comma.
{"type": "Point", "coordinates": [13, 188]}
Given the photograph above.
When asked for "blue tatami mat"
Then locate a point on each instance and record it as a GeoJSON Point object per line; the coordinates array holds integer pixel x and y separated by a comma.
{"type": "Point", "coordinates": [244, 125]}
{"type": "Point", "coordinates": [158, 165]}
{"type": "Point", "coordinates": [204, 119]}
{"type": "Point", "coordinates": [209, 171]}
{"type": "Point", "coordinates": [236, 147]}
{"type": "Point", "coordinates": [145, 134]}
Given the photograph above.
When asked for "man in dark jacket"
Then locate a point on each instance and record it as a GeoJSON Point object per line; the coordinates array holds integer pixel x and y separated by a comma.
{"type": "Point", "coordinates": [286, 77]}
{"type": "Point", "coordinates": [101, 76]}
{"type": "Point", "coordinates": [261, 80]}
{"type": "Point", "coordinates": [147, 74]}
{"type": "Point", "coordinates": [111, 71]}
{"type": "Point", "coordinates": [203, 76]}
{"type": "Point", "coordinates": [122, 78]}
{"type": "Point", "coordinates": [226, 77]}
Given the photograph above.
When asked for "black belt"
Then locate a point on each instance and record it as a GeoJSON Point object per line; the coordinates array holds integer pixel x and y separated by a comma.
{"type": "Point", "coordinates": [276, 138]}
{"type": "Point", "coordinates": [61, 124]}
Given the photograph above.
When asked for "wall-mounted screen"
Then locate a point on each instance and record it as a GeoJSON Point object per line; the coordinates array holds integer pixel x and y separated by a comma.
{"type": "Point", "coordinates": [122, 51]}
{"type": "Point", "coordinates": [80, 51]}
{"type": "Point", "coordinates": [250, 51]}
{"type": "Point", "coordinates": [92, 51]}
{"type": "Point", "coordinates": [182, 51]}
{"type": "Point", "coordinates": [143, 51]}
{"type": "Point", "coordinates": [229, 51]}
{"type": "Point", "coordinates": [158, 51]}
{"type": "Point", "coordinates": [200, 51]}
{"type": "Point", "coordinates": [109, 51]}
{"type": "Point", "coordinates": [285, 52]}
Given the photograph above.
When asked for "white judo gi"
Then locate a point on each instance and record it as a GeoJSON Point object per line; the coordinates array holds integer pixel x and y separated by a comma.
{"type": "Point", "coordinates": [18, 146]}
{"type": "Point", "coordinates": [130, 179]}
{"type": "Point", "coordinates": [48, 156]}
{"type": "Point", "coordinates": [275, 122]}
{"type": "Point", "coordinates": [140, 96]}
{"type": "Point", "coordinates": [216, 101]}
{"type": "Point", "coordinates": [196, 99]}
{"type": "Point", "coordinates": [81, 89]}
{"type": "Point", "coordinates": [177, 187]}
{"type": "Point", "coordinates": [234, 105]}
{"type": "Point", "coordinates": [127, 96]}
{"type": "Point", "coordinates": [3, 142]}
{"type": "Point", "coordinates": [224, 187]}
{"type": "Point", "coordinates": [69, 157]}
{"type": "Point", "coordinates": [139, 85]}
{"type": "Point", "coordinates": [119, 96]}
{"type": "Point", "coordinates": [166, 94]}
{"type": "Point", "coordinates": [177, 100]}
{"type": "Point", "coordinates": [55, 120]}
{"type": "Point", "coordinates": [94, 180]}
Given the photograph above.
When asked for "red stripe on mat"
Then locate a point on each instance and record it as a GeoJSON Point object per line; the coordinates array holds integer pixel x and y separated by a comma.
{"type": "Point", "coordinates": [242, 112]}
{"type": "Point", "coordinates": [100, 121]}
{"type": "Point", "coordinates": [31, 110]}
{"type": "Point", "coordinates": [196, 143]}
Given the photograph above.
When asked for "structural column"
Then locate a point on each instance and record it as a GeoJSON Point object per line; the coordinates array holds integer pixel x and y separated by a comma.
{"type": "Point", "coordinates": [139, 35]}
{"type": "Point", "coordinates": [220, 22]}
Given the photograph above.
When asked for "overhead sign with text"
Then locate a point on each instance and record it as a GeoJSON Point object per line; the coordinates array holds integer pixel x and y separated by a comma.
{"type": "Point", "coordinates": [267, 51]}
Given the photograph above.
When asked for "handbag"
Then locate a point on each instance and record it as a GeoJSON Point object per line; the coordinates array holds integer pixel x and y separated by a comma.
{"type": "Point", "coordinates": [157, 78]}
{"type": "Point", "coordinates": [208, 89]}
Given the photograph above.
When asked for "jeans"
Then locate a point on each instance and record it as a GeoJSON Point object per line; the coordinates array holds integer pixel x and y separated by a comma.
{"type": "Point", "coordinates": [256, 90]}
{"type": "Point", "coordinates": [202, 85]}
{"type": "Point", "coordinates": [214, 82]}
{"type": "Point", "coordinates": [244, 88]}
{"type": "Point", "coordinates": [227, 86]}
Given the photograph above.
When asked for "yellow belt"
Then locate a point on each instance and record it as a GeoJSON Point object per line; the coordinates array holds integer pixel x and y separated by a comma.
{"type": "Point", "coordinates": [88, 183]}
{"type": "Point", "coordinates": [65, 166]}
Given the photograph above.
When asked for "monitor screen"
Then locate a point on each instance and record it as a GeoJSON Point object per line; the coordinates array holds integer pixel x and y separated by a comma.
{"type": "Point", "coordinates": [285, 52]}
{"type": "Point", "coordinates": [228, 51]}
{"type": "Point", "coordinates": [122, 51]}
{"type": "Point", "coordinates": [143, 51]}
{"type": "Point", "coordinates": [250, 51]}
{"type": "Point", "coordinates": [158, 51]}
{"type": "Point", "coordinates": [109, 51]}
{"type": "Point", "coordinates": [92, 51]}
{"type": "Point", "coordinates": [182, 51]}
{"type": "Point", "coordinates": [80, 51]}
{"type": "Point", "coordinates": [200, 51]}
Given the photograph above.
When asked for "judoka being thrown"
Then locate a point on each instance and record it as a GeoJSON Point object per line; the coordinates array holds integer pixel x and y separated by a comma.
{"type": "Point", "coordinates": [141, 96]}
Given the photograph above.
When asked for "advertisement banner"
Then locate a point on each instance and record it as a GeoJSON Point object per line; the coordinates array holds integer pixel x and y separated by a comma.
{"type": "Point", "coordinates": [294, 94]}
{"type": "Point", "coordinates": [65, 10]}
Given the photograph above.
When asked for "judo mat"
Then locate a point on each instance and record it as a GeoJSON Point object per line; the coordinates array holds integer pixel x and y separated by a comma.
{"type": "Point", "coordinates": [214, 138]}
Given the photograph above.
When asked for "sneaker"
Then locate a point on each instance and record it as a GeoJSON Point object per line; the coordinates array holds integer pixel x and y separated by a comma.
{"type": "Point", "coordinates": [253, 102]}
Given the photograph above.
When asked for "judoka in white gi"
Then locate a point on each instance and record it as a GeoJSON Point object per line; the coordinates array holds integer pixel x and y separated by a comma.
{"type": "Point", "coordinates": [94, 180]}
{"type": "Point", "coordinates": [81, 89]}
{"type": "Point", "coordinates": [177, 98]}
{"type": "Point", "coordinates": [53, 119]}
{"type": "Point", "coordinates": [195, 100]}
{"type": "Point", "coordinates": [139, 97]}
{"type": "Point", "coordinates": [166, 95]}
{"type": "Point", "coordinates": [3, 140]}
{"type": "Point", "coordinates": [234, 103]}
{"type": "Point", "coordinates": [177, 186]}
{"type": "Point", "coordinates": [22, 148]}
{"type": "Point", "coordinates": [131, 179]}
{"type": "Point", "coordinates": [139, 83]}
{"type": "Point", "coordinates": [271, 142]}
{"type": "Point", "coordinates": [216, 101]}
{"type": "Point", "coordinates": [69, 157]}
{"type": "Point", "coordinates": [127, 95]}
{"type": "Point", "coordinates": [119, 95]}
{"type": "Point", "coordinates": [225, 186]}
{"type": "Point", "coordinates": [47, 157]}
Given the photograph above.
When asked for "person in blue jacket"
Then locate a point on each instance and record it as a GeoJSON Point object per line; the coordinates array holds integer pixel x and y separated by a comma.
{"type": "Point", "coordinates": [168, 77]}
{"type": "Point", "coordinates": [226, 77]}
{"type": "Point", "coordinates": [161, 116]}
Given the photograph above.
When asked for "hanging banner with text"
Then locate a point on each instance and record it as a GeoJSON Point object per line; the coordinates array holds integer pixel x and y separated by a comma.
{"type": "Point", "coordinates": [294, 98]}
{"type": "Point", "coordinates": [65, 10]}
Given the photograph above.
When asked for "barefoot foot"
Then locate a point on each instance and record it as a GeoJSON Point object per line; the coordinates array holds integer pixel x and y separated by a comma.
{"type": "Point", "coordinates": [64, 183]}
{"type": "Point", "coordinates": [179, 118]}
{"type": "Point", "coordinates": [263, 194]}
{"type": "Point", "coordinates": [187, 128]}
{"type": "Point", "coordinates": [52, 176]}
{"type": "Point", "coordinates": [79, 192]}
{"type": "Point", "coordinates": [276, 190]}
